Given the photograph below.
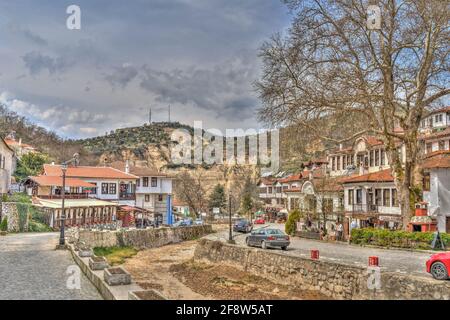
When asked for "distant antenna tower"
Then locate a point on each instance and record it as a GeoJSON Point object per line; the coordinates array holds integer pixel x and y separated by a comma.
{"type": "Point", "coordinates": [169, 113]}
{"type": "Point", "coordinates": [150, 115]}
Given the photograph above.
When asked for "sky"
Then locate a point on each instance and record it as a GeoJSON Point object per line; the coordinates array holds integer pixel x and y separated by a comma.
{"type": "Point", "coordinates": [198, 56]}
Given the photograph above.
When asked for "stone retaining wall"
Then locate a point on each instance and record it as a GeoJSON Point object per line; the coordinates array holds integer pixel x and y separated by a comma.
{"type": "Point", "coordinates": [335, 280]}
{"type": "Point", "coordinates": [10, 211]}
{"type": "Point", "coordinates": [142, 238]}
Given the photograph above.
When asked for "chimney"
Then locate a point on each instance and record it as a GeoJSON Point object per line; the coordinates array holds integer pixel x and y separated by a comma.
{"type": "Point", "coordinates": [53, 163]}
{"type": "Point", "coordinates": [127, 166]}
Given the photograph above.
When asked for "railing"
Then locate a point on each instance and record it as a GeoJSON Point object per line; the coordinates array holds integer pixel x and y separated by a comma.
{"type": "Point", "coordinates": [362, 207]}
{"type": "Point", "coordinates": [66, 196]}
{"type": "Point", "coordinates": [127, 196]}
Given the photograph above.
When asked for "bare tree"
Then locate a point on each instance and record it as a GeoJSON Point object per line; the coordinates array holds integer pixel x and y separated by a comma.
{"type": "Point", "coordinates": [330, 66]}
{"type": "Point", "coordinates": [190, 189]}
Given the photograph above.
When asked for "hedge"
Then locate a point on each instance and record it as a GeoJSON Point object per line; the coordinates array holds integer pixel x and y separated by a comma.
{"type": "Point", "coordinates": [397, 239]}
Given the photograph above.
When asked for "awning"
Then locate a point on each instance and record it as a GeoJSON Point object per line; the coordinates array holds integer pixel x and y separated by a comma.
{"type": "Point", "coordinates": [72, 203]}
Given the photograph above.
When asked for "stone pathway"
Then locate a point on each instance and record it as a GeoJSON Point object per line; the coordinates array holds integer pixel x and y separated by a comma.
{"type": "Point", "coordinates": [31, 269]}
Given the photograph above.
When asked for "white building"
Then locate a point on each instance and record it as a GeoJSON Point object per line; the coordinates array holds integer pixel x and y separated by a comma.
{"type": "Point", "coordinates": [153, 188]}
{"type": "Point", "coordinates": [435, 120]}
{"type": "Point", "coordinates": [6, 166]}
{"type": "Point", "coordinates": [108, 183]}
{"type": "Point", "coordinates": [436, 188]}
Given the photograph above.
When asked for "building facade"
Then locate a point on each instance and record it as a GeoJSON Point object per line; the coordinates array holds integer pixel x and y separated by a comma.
{"type": "Point", "coordinates": [6, 166]}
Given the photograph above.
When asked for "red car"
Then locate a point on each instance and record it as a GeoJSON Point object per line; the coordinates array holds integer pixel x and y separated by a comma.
{"type": "Point", "coordinates": [260, 221]}
{"type": "Point", "coordinates": [439, 265]}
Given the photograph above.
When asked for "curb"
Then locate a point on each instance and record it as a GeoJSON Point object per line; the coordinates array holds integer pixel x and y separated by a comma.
{"type": "Point", "coordinates": [96, 278]}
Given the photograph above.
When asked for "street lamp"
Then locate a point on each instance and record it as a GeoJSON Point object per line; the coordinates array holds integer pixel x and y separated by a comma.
{"type": "Point", "coordinates": [64, 166]}
{"type": "Point", "coordinates": [62, 240]}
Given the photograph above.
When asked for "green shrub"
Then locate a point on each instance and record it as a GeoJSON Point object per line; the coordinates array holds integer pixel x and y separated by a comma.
{"type": "Point", "coordinates": [398, 239]}
{"type": "Point", "coordinates": [291, 223]}
{"type": "Point", "coordinates": [36, 226]}
{"type": "Point", "coordinates": [4, 224]}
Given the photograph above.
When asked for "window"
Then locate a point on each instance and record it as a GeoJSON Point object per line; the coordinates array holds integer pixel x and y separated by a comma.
{"type": "Point", "coordinates": [350, 197]}
{"type": "Point", "coordinates": [147, 198]}
{"type": "Point", "coordinates": [270, 189]}
{"type": "Point", "coordinates": [383, 157]}
{"type": "Point", "coordinates": [338, 163]}
{"type": "Point", "coordinates": [145, 182]}
{"type": "Point", "coordinates": [358, 196]}
{"type": "Point", "coordinates": [112, 188]}
{"type": "Point", "coordinates": [160, 197]}
{"type": "Point", "coordinates": [333, 163]}
{"type": "Point", "coordinates": [378, 197]}
{"type": "Point", "coordinates": [442, 145]}
{"type": "Point", "coordinates": [154, 182]}
{"type": "Point", "coordinates": [377, 157]}
{"type": "Point", "coordinates": [429, 147]}
{"type": "Point", "coordinates": [387, 197]}
{"type": "Point", "coordinates": [371, 158]}
{"type": "Point", "coordinates": [138, 182]}
{"type": "Point", "coordinates": [426, 181]}
{"type": "Point", "coordinates": [104, 188]}
{"type": "Point", "coordinates": [394, 198]}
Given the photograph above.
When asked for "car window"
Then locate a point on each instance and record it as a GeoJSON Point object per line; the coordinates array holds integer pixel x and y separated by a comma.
{"type": "Point", "coordinates": [275, 231]}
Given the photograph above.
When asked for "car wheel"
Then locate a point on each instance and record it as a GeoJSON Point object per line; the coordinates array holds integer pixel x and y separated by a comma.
{"type": "Point", "coordinates": [264, 245]}
{"type": "Point", "coordinates": [439, 271]}
{"type": "Point", "coordinates": [247, 241]}
{"type": "Point", "coordinates": [284, 248]}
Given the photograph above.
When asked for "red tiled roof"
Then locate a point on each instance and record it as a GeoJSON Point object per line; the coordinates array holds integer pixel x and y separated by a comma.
{"type": "Point", "coordinates": [438, 134]}
{"type": "Point", "coordinates": [296, 189]}
{"type": "Point", "coordinates": [54, 181]}
{"type": "Point", "coordinates": [88, 172]}
{"type": "Point", "coordinates": [291, 178]}
{"type": "Point", "coordinates": [379, 176]}
{"type": "Point", "coordinates": [444, 109]}
{"type": "Point", "coordinates": [12, 142]}
{"type": "Point", "coordinates": [373, 141]}
{"type": "Point", "coordinates": [440, 159]}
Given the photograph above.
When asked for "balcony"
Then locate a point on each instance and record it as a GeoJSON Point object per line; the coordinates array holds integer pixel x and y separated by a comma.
{"type": "Point", "coordinates": [127, 196]}
{"type": "Point", "coordinates": [66, 196]}
{"type": "Point", "coordinates": [364, 208]}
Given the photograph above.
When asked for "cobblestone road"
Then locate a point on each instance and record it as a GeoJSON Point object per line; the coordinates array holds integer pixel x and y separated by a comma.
{"type": "Point", "coordinates": [407, 262]}
{"type": "Point", "coordinates": [31, 269]}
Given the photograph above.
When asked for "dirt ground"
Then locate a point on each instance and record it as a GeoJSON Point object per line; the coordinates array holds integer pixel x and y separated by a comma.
{"type": "Point", "coordinates": [171, 270]}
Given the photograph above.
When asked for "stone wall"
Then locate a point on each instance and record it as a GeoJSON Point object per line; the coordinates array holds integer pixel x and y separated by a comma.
{"type": "Point", "coordinates": [141, 238]}
{"type": "Point", "coordinates": [10, 211]}
{"type": "Point", "coordinates": [335, 280]}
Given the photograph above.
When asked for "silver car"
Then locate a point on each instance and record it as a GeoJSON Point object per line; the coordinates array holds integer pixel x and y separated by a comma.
{"type": "Point", "coordinates": [268, 238]}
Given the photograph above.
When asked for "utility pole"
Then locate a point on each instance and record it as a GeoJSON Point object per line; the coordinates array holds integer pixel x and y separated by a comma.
{"type": "Point", "coordinates": [230, 235]}
{"type": "Point", "coordinates": [150, 116]}
{"type": "Point", "coordinates": [169, 113]}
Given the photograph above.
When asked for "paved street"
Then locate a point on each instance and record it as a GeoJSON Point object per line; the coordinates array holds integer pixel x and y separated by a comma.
{"type": "Point", "coordinates": [31, 268]}
{"type": "Point", "coordinates": [390, 260]}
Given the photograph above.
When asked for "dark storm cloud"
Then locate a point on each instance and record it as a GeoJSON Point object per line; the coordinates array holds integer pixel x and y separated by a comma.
{"type": "Point", "coordinates": [37, 62]}
{"type": "Point", "coordinates": [122, 75]}
{"type": "Point", "coordinates": [200, 56]}
{"type": "Point", "coordinates": [225, 88]}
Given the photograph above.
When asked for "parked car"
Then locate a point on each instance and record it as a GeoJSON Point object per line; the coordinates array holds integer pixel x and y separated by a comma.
{"type": "Point", "coordinates": [268, 238]}
{"type": "Point", "coordinates": [260, 221]}
{"type": "Point", "coordinates": [242, 225]}
{"type": "Point", "coordinates": [198, 222]}
{"type": "Point", "coordinates": [439, 265]}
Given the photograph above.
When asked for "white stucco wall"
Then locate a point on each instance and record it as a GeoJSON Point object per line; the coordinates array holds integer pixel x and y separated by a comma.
{"type": "Point", "coordinates": [5, 173]}
{"type": "Point", "coordinates": [438, 197]}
